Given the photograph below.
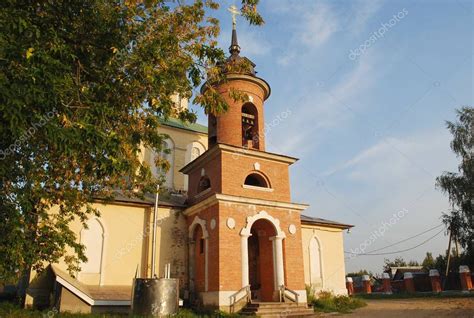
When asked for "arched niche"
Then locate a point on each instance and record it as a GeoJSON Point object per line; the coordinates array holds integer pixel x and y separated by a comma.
{"type": "Point", "coordinates": [92, 238]}
{"type": "Point", "coordinates": [315, 262]}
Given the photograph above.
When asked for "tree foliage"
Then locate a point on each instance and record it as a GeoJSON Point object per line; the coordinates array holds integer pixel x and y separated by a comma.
{"type": "Point", "coordinates": [360, 273]}
{"type": "Point", "coordinates": [459, 186]}
{"type": "Point", "coordinates": [397, 262]}
{"type": "Point", "coordinates": [428, 262]}
{"type": "Point", "coordinates": [83, 85]}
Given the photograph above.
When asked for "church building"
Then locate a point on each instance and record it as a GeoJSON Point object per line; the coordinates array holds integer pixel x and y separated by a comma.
{"type": "Point", "coordinates": [226, 221]}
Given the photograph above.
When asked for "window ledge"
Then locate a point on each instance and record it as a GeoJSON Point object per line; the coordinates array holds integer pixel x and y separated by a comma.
{"type": "Point", "coordinates": [246, 186]}
{"type": "Point", "coordinates": [200, 194]}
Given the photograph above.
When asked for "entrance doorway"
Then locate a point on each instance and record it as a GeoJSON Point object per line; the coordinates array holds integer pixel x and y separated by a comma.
{"type": "Point", "coordinates": [261, 260]}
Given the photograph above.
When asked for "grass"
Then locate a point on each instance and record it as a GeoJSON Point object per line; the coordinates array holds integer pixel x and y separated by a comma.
{"type": "Point", "coordinates": [328, 302]}
{"type": "Point", "coordinates": [9, 310]}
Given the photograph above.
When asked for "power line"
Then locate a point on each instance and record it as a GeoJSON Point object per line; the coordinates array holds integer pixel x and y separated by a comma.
{"type": "Point", "coordinates": [401, 251]}
{"type": "Point", "coordinates": [407, 239]}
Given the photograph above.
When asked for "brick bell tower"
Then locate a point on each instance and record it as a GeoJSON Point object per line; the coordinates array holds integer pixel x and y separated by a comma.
{"type": "Point", "coordinates": [244, 232]}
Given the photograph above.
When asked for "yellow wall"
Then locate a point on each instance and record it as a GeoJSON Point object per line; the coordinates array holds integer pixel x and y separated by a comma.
{"type": "Point", "coordinates": [181, 140]}
{"type": "Point", "coordinates": [124, 243]}
{"type": "Point", "coordinates": [332, 258]}
{"type": "Point", "coordinates": [127, 243]}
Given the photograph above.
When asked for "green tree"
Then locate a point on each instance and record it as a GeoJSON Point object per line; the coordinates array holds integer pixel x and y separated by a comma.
{"type": "Point", "coordinates": [397, 262]}
{"type": "Point", "coordinates": [459, 186]}
{"type": "Point", "coordinates": [413, 263]}
{"type": "Point", "coordinates": [429, 262]}
{"type": "Point", "coordinates": [360, 273]}
{"type": "Point", "coordinates": [83, 86]}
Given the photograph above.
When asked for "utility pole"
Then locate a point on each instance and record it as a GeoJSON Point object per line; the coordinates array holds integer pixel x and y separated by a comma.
{"type": "Point", "coordinates": [449, 252]}
{"type": "Point", "coordinates": [456, 245]}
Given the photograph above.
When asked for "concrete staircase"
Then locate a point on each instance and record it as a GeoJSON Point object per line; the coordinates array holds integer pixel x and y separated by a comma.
{"type": "Point", "coordinates": [274, 310]}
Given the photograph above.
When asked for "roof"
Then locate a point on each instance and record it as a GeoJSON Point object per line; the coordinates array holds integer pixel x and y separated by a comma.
{"type": "Point", "coordinates": [397, 272]}
{"type": "Point", "coordinates": [165, 199]}
{"type": "Point", "coordinates": [92, 294]}
{"type": "Point", "coordinates": [176, 123]}
{"type": "Point", "coordinates": [318, 221]}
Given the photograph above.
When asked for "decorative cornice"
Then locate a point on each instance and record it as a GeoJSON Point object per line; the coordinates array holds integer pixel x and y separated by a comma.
{"type": "Point", "coordinates": [236, 76]}
{"type": "Point", "coordinates": [236, 151]}
{"type": "Point", "coordinates": [217, 197]}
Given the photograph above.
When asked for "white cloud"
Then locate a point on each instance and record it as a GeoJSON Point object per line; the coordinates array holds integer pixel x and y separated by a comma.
{"type": "Point", "coordinates": [393, 174]}
{"type": "Point", "coordinates": [285, 59]}
{"type": "Point", "coordinates": [253, 43]}
{"type": "Point", "coordinates": [318, 24]}
{"type": "Point", "coordinates": [363, 11]}
{"type": "Point", "coordinates": [392, 158]}
{"type": "Point", "coordinates": [328, 106]}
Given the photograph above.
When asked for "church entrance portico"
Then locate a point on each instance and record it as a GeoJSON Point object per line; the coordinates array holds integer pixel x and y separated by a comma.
{"type": "Point", "coordinates": [262, 256]}
{"type": "Point", "coordinates": [261, 269]}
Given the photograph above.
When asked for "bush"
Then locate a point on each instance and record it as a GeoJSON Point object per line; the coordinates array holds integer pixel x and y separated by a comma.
{"type": "Point", "coordinates": [328, 302]}
{"type": "Point", "coordinates": [310, 294]}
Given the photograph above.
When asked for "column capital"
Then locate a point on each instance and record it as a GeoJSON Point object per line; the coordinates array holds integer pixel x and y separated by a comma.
{"type": "Point", "coordinates": [277, 238]}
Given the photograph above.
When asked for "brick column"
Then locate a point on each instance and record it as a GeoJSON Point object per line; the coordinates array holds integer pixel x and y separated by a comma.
{"type": "Point", "coordinates": [435, 281]}
{"type": "Point", "coordinates": [349, 286]}
{"type": "Point", "coordinates": [465, 275]}
{"type": "Point", "coordinates": [387, 286]}
{"type": "Point", "coordinates": [409, 283]}
{"type": "Point", "coordinates": [366, 284]}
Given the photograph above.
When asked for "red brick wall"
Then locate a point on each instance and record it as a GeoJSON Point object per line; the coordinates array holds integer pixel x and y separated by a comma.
{"type": "Point", "coordinates": [229, 124]}
{"type": "Point", "coordinates": [213, 170]}
{"type": "Point", "coordinates": [199, 261]}
{"type": "Point", "coordinates": [237, 166]}
{"type": "Point", "coordinates": [213, 244]}
{"type": "Point", "coordinates": [230, 245]}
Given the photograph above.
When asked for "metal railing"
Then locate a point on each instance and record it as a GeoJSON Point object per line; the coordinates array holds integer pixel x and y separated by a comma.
{"type": "Point", "coordinates": [234, 297]}
{"type": "Point", "coordinates": [284, 295]}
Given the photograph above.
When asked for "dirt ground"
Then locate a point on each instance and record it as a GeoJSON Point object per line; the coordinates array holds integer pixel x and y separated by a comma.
{"type": "Point", "coordinates": [417, 308]}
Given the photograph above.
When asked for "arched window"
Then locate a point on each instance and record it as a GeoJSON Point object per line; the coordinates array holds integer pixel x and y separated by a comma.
{"type": "Point", "coordinates": [167, 153]}
{"type": "Point", "coordinates": [204, 183]}
{"type": "Point", "coordinates": [193, 151]}
{"type": "Point", "coordinates": [250, 126]}
{"type": "Point", "coordinates": [256, 180]}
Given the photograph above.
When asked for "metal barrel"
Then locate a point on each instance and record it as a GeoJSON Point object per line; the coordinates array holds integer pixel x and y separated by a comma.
{"type": "Point", "coordinates": [155, 297]}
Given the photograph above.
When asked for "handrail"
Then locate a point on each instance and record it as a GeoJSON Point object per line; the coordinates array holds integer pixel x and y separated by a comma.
{"type": "Point", "coordinates": [234, 299]}
{"type": "Point", "coordinates": [283, 295]}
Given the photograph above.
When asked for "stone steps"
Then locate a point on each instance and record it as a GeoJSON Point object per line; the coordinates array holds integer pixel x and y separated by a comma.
{"type": "Point", "coordinates": [270, 310]}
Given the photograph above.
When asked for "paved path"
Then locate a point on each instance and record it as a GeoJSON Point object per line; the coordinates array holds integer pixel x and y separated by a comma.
{"type": "Point", "coordinates": [417, 308]}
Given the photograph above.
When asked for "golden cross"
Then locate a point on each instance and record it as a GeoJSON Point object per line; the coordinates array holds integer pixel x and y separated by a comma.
{"type": "Point", "coordinates": [234, 11]}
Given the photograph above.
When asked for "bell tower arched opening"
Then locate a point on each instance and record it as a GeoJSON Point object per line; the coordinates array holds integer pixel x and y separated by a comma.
{"type": "Point", "coordinates": [250, 138]}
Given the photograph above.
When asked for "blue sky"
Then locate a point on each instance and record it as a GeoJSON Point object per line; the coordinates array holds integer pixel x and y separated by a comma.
{"type": "Point", "coordinates": [369, 130]}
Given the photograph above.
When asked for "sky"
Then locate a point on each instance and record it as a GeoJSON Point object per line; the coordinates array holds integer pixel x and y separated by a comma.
{"type": "Point", "coordinates": [361, 91]}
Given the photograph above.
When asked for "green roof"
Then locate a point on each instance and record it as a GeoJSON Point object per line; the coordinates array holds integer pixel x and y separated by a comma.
{"type": "Point", "coordinates": [176, 123]}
